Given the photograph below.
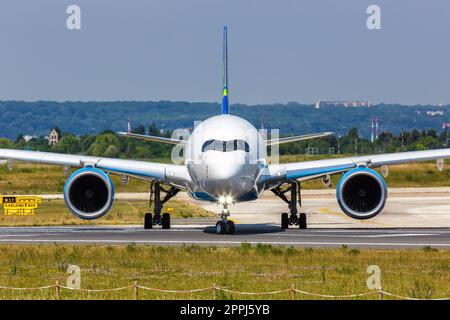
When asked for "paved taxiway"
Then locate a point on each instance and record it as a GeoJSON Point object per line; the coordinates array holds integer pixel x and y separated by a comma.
{"type": "Point", "coordinates": [268, 234]}
{"type": "Point", "coordinates": [413, 218]}
{"type": "Point", "coordinates": [405, 208]}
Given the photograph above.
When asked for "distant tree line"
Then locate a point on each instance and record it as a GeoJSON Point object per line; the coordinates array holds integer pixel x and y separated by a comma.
{"type": "Point", "coordinates": [105, 144]}
{"type": "Point", "coordinates": [387, 142]}
{"type": "Point", "coordinates": [81, 118]}
{"type": "Point", "coordinates": [109, 144]}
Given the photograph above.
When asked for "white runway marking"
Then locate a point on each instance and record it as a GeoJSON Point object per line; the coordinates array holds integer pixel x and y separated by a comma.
{"type": "Point", "coordinates": [212, 242]}
{"type": "Point", "coordinates": [359, 236]}
{"type": "Point", "coordinates": [432, 210]}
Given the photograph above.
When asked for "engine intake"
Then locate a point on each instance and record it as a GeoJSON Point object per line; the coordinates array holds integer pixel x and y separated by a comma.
{"type": "Point", "coordinates": [89, 193]}
{"type": "Point", "coordinates": [361, 193]}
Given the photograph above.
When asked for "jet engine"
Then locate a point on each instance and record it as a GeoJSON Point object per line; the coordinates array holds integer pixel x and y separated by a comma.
{"type": "Point", "coordinates": [361, 193]}
{"type": "Point", "coordinates": [89, 193]}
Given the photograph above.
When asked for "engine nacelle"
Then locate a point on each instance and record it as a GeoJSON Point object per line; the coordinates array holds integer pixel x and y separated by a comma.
{"type": "Point", "coordinates": [89, 193]}
{"type": "Point", "coordinates": [361, 193]}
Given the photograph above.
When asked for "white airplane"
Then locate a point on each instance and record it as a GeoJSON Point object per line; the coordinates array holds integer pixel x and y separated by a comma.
{"type": "Point", "coordinates": [225, 162]}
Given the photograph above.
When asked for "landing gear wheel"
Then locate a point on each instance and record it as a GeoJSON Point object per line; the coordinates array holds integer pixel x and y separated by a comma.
{"type": "Point", "coordinates": [302, 221]}
{"type": "Point", "coordinates": [284, 221]}
{"type": "Point", "coordinates": [148, 221]}
{"type": "Point", "coordinates": [221, 227]}
{"type": "Point", "coordinates": [165, 221]}
{"type": "Point", "coordinates": [230, 227]}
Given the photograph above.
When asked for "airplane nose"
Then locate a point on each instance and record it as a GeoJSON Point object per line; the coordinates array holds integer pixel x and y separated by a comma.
{"type": "Point", "coordinates": [228, 174]}
{"type": "Point", "coordinates": [224, 166]}
{"type": "Point", "coordinates": [223, 171]}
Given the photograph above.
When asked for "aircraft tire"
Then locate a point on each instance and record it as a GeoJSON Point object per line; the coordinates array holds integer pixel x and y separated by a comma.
{"type": "Point", "coordinates": [165, 221]}
{"type": "Point", "coordinates": [230, 228]}
{"type": "Point", "coordinates": [284, 221]}
{"type": "Point", "coordinates": [221, 227]}
{"type": "Point", "coordinates": [302, 221]}
{"type": "Point", "coordinates": [148, 221]}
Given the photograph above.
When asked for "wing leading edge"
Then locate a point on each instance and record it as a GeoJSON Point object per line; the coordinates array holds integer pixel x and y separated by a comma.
{"type": "Point", "coordinates": [168, 173]}
{"type": "Point", "coordinates": [312, 169]}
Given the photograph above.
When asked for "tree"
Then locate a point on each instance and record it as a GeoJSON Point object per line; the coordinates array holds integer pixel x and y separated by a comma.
{"type": "Point", "coordinates": [415, 135]}
{"type": "Point", "coordinates": [112, 151]}
{"type": "Point", "coordinates": [68, 144]}
{"type": "Point", "coordinates": [385, 138]}
{"type": "Point", "coordinates": [102, 143]}
{"type": "Point", "coordinates": [6, 143]}
{"type": "Point", "coordinates": [353, 133]}
{"type": "Point", "coordinates": [19, 139]}
{"type": "Point", "coordinates": [140, 129]}
{"type": "Point", "coordinates": [432, 133]}
{"type": "Point", "coordinates": [131, 148]}
{"type": "Point", "coordinates": [86, 141]}
{"type": "Point", "coordinates": [153, 130]}
{"type": "Point", "coordinates": [38, 144]}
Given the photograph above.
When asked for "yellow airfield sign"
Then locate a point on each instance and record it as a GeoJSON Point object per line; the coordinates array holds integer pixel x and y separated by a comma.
{"type": "Point", "coordinates": [20, 205]}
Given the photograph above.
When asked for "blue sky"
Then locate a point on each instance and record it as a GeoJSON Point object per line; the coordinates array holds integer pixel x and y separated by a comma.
{"type": "Point", "coordinates": [280, 51]}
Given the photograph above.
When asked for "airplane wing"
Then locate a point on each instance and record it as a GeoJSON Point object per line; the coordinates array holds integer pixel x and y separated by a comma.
{"type": "Point", "coordinates": [298, 138]}
{"type": "Point", "coordinates": [151, 138]}
{"type": "Point", "coordinates": [176, 175]}
{"type": "Point", "coordinates": [313, 169]}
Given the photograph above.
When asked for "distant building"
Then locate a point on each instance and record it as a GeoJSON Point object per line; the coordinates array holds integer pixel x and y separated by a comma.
{"type": "Point", "coordinates": [435, 113]}
{"type": "Point", "coordinates": [28, 137]}
{"type": "Point", "coordinates": [54, 136]}
{"type": "Point", "coordinates": [317, 106]}
{"type": "Point", "coordinates": [348, 103]}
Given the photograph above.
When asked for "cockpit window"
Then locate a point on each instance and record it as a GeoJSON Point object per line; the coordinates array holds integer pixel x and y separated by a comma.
{"type": "Point", "coordinates": [225, 146]}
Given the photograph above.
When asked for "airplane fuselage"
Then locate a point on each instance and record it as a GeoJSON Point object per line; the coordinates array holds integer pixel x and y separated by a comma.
{"type": "Point", "coordinates": [225, 155]}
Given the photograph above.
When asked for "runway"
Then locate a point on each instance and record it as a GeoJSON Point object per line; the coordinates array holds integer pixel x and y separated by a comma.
{"type": "Point", "coordinates": [405, 208]}
{"type": "Point", "coordinates": [253, 234]}
{"type": "Point", "coordinates": [412, 218]}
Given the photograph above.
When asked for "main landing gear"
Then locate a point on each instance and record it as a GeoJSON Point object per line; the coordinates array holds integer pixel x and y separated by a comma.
{"type": "Point", "coordinates": [156, 218]}
{"type": "Point", "coordinates": [225, 226]}
{"type": "Point", "coordinates": [295, 218]}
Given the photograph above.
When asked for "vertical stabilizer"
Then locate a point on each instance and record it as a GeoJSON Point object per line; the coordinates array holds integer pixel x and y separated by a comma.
{"type": "Point", "coordinates": [225, 73]}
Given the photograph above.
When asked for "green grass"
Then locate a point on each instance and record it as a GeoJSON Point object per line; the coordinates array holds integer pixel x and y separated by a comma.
{"type": "Point", "coordinates": [415, 273]}
{"type": "Point", "coordinates": [54, 212]}
{"type": "Point", "coordinates": [45, 179]}
{"type": "Point", "coordinates": [424, 174]}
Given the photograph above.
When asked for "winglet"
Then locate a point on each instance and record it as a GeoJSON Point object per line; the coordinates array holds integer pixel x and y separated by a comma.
{"type": "Point", "coordinates": [298, 138]}
{"type": "Point", "coordinates": [152, 138]}
{"type": "Point", "coordinates": [225, 72]}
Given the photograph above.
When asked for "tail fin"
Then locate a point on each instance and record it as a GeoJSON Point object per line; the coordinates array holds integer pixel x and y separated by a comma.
{"type": "Point", "coordinates": [225, 72]}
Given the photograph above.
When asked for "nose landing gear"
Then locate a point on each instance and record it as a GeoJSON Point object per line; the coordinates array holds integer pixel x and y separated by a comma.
{"type": "Point", "coordinates": [225, 226]}
{"type": "Point", "coordinates": [294, 218]}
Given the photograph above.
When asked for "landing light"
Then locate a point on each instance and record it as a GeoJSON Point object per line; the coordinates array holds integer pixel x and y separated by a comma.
{"type": "Point", "coordinates": [226, 200]}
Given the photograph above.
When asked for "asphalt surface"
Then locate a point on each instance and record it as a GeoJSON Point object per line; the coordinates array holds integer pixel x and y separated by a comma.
{"type": "Point", "coordinates": [204, 235]}
{"type": "Point", "coordinates": [412, 218]}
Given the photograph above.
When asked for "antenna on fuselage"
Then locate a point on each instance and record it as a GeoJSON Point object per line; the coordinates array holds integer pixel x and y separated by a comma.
{"type": "Point", "coordinates": [225, 72]}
